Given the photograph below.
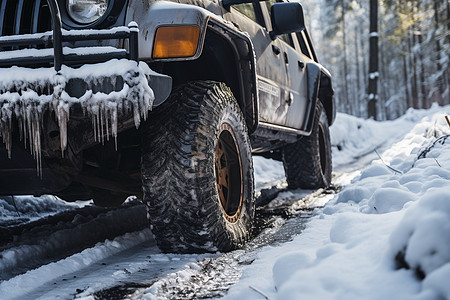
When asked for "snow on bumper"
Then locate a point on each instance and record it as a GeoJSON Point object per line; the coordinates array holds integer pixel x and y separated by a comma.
{"type": "Point", "coordinates": [106, 92]}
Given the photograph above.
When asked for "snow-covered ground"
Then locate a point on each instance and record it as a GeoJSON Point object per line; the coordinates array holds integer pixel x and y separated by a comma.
{"type": "Point", "coordinates": [386, 235]}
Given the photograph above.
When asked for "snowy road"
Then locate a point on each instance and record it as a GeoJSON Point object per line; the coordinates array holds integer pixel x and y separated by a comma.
{"type": "Point", "coordinates": [71, 251]}
{"type": "Point", "coordinates": [65, 255]}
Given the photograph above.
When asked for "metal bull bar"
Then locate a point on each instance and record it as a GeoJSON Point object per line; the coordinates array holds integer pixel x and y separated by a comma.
{"type": "Point", "coordinates": [56, 39]}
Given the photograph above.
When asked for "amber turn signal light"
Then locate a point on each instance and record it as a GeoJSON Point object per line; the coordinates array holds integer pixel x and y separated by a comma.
{"type": "Point", "coordinates": [176, 41]}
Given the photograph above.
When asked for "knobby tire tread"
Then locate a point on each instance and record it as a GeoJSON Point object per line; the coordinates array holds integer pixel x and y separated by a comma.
{"type": "Point", "coordinates": [301, 159]}
{"type": "Point", "coordinates": [178, 143]}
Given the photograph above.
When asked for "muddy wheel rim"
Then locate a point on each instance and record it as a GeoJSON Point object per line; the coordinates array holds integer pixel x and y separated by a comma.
{"type": "Point", "coordinates": [228, 173]}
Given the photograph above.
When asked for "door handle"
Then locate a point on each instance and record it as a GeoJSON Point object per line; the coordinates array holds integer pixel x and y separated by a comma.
{"type": "Point", "coordinates": [276, 50]}
{"type": "Point", "coordinates": [290, 99]}
{"type": "Point", "coordinates": [286, 59]}
{"type": "Point", "coordinates": [301, 64]}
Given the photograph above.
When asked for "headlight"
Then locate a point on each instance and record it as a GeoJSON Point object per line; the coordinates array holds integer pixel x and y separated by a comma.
{"type": "Point", "coordinates": [86, 11]}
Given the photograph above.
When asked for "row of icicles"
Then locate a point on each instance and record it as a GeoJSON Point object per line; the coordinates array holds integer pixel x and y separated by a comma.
{"type": "Point", "coordinates": [105, 110]}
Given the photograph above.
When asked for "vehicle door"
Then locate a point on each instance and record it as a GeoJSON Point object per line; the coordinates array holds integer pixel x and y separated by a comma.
{"type": "Point", "coordinates": [294, 61]}
{"type": "Point", "coordinates": [270, 69]}
{"type": "Point", "coordinates": [298, 58]}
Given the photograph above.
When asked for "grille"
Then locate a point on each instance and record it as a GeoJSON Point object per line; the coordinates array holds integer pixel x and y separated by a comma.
{"type": "Point", "coordinates": [22, 23]}
{"type": "Point", "coordinates": [24, 16]}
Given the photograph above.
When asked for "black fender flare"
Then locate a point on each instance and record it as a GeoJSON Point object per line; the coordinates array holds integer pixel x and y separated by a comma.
{"type": "Point", "coordinates": [245, 58]}
{"type": "Point", "coordinates": [326, 95]}
{"type": "Point", "coordinates": [319, 88]}
{"type": "Point", "coordinates": [163, 13]}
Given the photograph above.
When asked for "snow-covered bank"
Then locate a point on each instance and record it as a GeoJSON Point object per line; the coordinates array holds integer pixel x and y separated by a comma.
{"type": "Point", "coordinates": [19, 286]}
{"type": "Point", "coordinates": [49, 239]}
{"type": "Point", "coordinates": [27, 208]}
{"type": "Point", "coordinates": [382, 234]}
{"type": "Point", "coordinates": [352, 137]}
{"type": "Point", "coordinates": [268, 172]}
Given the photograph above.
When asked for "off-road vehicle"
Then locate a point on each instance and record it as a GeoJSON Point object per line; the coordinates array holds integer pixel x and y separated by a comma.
{"type": "Point", "coordinates": [103, 99]}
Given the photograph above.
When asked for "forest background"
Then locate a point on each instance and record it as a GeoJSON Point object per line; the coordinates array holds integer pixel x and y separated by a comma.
{"type": "Point", "coordinates": [414, 52]}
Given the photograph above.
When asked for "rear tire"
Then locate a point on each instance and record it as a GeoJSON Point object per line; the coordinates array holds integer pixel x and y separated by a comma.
{"type": "Point", "coordinates": [197, 171]}
{"type": "Point", "coordinates": [307, 162]}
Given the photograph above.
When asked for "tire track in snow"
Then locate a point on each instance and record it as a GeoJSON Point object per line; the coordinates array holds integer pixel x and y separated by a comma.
{"type": "Point", "coordinates": [48, 240]}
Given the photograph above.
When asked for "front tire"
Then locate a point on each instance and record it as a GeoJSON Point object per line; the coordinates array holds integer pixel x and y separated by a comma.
{"type": "Point", "coordinates": [307, 162]}
{"type": "Point", "coordinates": [197, 171]}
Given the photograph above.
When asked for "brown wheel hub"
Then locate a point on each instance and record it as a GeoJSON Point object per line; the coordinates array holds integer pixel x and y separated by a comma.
{"type": "Point", "coordinates": [228, 173]}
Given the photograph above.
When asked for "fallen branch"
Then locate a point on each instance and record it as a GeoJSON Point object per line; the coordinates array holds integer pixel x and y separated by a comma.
{"type": "Point", "coordinates": [438, 163]}
{"type": "Point", "coordinates": [15, 206]}
{"type": "Point", "coordinates": [389, 167]}
{"type": "Point", "coordinates": [259, 292]}
{"type": "Point", "coordinates": [440, 140]}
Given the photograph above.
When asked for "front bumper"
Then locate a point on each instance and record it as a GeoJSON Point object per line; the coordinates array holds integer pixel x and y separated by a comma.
{"type": "Point", "coordinates": [116, 94]}
{"type": "Point", "coordinates": [107, 84]}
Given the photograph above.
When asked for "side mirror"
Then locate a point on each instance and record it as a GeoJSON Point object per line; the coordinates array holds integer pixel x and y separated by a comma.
{"type": "Point", "coordinates": [287, 17]}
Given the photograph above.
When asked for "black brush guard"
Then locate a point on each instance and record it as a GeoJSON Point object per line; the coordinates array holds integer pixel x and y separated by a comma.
{"type": "Point", "coordinates": [18, 175]}
{"type": "Point", "coordinates": [56, 40]}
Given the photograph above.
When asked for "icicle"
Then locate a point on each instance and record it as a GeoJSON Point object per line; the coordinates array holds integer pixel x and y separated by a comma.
{"type": "Point", "coordinates": [6, 135]}
{"type": "Point", "coordinates": [61, 109]}
{"type": "Point", "coordinates": [107, 125]}
{"type": "Point", "coordinates": [98, 127]}
{"type": "Point", "coordinates": [29, 129]}
{"type": "Point", "coordinates": [94, 126]}
{"type": "Point", "coordinates": [24, 122]}
{"type": "Point", "coordinates": [114, 121]}
{"type": "Point", "coordinates": [22, 130]}
{"type": "Point", "coordinates": [137, 115]}
{"type": "Point", "coordinates": [62, 114]}
{"type": "Point", "coordinates": [36, 139]}
{"type": "Point", "coordinates": [5, 126]}
{"type": "Point", "coordinates": [101, 123]}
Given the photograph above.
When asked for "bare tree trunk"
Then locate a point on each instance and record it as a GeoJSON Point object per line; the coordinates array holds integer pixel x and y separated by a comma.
{"type": "Point", "coordinates": [412, 58]}
{"type": "Point", "coordinates": [373, 60]}
{"type": "Point", "coordinates": [365, 61]}
{"type": "Point", "coordinates": [406, 83]}
{"type": "Point", "coordinates": [358, 72]}
{"type": "Point", "coordinates": [447, 72]}
{"type": "Point", "coordinates": [423, 89]}
{"type": "Point", "coordinates": [344, 42]}
{"type": "Point", "coordinates": [439, 80]}
{"type": "Point", "coordinates": [399, 7]}
{"type": "Point", "coordinates": [383, 84]}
